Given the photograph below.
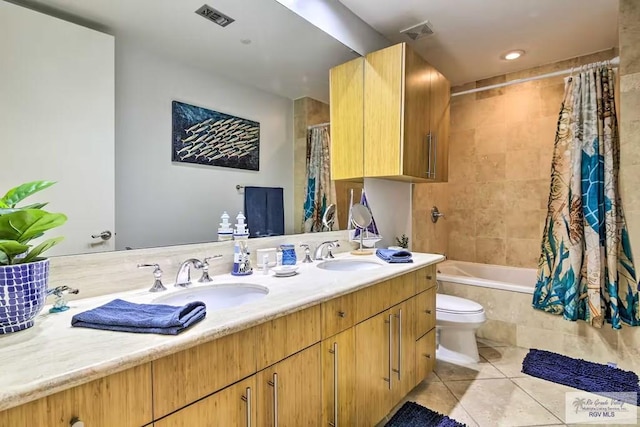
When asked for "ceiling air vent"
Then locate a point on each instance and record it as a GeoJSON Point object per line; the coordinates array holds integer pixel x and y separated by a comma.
{"type": "Point", "coordinates": [214, 15]}
{"type": "Point", "coordinates": [418, 31]}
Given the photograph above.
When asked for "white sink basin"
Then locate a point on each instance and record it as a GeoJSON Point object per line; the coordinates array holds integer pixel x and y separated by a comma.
{"type": "Point", "coordinates": [348, 265]}
{"type": "Point", "coordinates": [216, 296]}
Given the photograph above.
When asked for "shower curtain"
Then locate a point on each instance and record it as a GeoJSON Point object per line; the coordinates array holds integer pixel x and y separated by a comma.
{"type": "Point", "coordinates": [586, 267]}
{"type": "Point", "coordinates": [320, 191]}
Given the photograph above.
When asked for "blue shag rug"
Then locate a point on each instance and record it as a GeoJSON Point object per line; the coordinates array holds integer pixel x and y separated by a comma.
{"type": "Point", "coordinates": [581, 374]}
{"type": "Point", "coordinates": [411, 414]}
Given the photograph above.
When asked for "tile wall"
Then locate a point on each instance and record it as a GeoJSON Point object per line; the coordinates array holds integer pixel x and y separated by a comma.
{"type": "Point", "coordinates": [500, 151]}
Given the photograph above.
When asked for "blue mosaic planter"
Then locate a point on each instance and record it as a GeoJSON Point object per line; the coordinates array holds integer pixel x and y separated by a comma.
{"type": "Point", "coordinates": [23, 290]}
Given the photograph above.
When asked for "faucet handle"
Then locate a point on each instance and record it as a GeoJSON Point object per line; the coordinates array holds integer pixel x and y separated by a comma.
{"type": "Point", "coordinates": [157, 274]}
{"type": "Point", "coordinates": [307, 253]}
{"type": "Point", "coordinates": [205, 269]}
{"type": "Point", "coordinates": [331, 246]}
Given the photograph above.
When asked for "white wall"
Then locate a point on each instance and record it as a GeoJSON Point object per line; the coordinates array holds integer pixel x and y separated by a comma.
{"type": "Point", "coordinates": [390, 203]}
{"type": "Point", "coordinates": [163, 203]}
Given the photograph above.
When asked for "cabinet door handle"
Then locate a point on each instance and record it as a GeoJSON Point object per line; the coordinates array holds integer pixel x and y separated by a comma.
{"type": "Point", "coordinates": [429, 139]}
{"type": "Point", "coordinates": [334, 351]}
{"type": "Point", "coordinates": [399, 316]}
{"type": "Point", "coordinates": [247, 398]}
{"type": "Point", "coordinates": [390, 322]}
{"type": "Point", "coordinates": [435, 156]}
{"type": "Point", "coordinates": [274, 384]}
{"type": "Point", "coordinates": [341, 314]}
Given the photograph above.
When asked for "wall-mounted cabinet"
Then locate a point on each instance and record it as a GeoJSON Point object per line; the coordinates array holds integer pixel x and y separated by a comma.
{"type": "Point", "coordinates": [389, 117]}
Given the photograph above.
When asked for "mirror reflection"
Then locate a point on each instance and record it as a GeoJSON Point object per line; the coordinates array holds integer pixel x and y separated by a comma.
{"type": "Point", "coordinates": [94, 114]}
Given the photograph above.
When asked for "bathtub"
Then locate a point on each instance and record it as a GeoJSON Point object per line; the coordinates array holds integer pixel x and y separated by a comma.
{"type": "Point", "coordinates": [512, 279]}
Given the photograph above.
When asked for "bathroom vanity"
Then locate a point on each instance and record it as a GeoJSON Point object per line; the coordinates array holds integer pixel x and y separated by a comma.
{"type": "Point", "coordinates": [322, 348]}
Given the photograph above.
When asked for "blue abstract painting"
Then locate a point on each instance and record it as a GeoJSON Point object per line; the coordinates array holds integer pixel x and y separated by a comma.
{"type": "Point", "coordinates": [207, 137]}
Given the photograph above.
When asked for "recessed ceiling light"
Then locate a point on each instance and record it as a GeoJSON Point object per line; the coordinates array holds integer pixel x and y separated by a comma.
{"type": "Point", "coordinates": [512, 54]}
{"type": "Point", "coordinates": [245, 41]}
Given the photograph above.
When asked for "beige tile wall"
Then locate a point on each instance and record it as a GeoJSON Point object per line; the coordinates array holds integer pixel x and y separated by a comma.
{"type": "Point", "coordinates": [629, 36]}
{"type": "Point", "coordinates": [306, 112]}
{"type": "Point", "coordinates": [500, 151]}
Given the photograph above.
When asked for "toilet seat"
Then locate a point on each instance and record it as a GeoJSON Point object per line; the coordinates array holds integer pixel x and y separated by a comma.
{"type": "Point", "coordinates": [453, 309]}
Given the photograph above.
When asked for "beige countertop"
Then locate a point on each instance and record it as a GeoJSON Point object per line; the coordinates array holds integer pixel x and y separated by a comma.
{"type": "Point", "coordinates": [53, 356]}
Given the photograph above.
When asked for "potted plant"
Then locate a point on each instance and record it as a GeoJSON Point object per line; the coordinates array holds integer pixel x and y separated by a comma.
{"type": "Point", "coordinates": [24, 274]}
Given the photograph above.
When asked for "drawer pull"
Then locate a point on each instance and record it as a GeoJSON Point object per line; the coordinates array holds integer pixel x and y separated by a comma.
{"type": "Point", "coordinates": [76, 422]}
{"type": "Point", "coordinates": [429, 277]}
{"type": "Point", "coordinates": [341, 314]}
{"type": "Point", "coordinates": [428, 311]}
{"type": "Point", "coordinates": [427, 355]}
{"type": "Point", "coordinates": [247, 398]}
{"type": "Point", "coordinates": [274, 384]}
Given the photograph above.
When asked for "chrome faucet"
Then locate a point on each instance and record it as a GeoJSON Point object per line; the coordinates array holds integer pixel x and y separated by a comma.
{"type": "Point", "coordinates": [183, 279]}
{"type": "Point", "coordinates": [329, 244]}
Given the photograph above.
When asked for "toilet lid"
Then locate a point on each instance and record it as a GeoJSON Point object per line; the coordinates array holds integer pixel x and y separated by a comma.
{"type": "Point", "coordinates": [451, 304]}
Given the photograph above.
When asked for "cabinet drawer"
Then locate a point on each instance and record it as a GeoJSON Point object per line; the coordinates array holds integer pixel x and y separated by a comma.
{"type": "Point", "coordinates": [425, 355]}
{"type": "Point", "coordinates": [280, 338]}
{"type": "Point", "coordinates": [229, 407]}
{"type": "Point", "coordinates": [189, 375]}
{"type": "Point", "coordinates": [122, 399]}
{"type": "Point", "coordinates": [425, 278]}
{"type": "Point", "coordinates": [372, 300]}
{"type": "Point", "coordinates": [338, 314]}
{"type": "Point", "coordinates": [425, 312]}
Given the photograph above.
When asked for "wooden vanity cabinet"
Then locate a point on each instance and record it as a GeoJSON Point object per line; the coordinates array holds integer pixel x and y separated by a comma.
{"type": "Point", "coordinates": [235, 405]}
{"type": "Point", "coordinates": [122, 399]}
{"type": "Point", "coordinates": [339, 379]}
{"type": "Point", "coordinates": [289, 392]}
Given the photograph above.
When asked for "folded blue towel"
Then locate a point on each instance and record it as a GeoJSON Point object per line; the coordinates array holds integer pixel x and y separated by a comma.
{"type": "Point", "coordinates": [124, 316]}
{"type": "Point", "coordinates": [394, 256]}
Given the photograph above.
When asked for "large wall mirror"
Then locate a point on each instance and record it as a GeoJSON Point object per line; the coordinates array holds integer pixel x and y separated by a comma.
{"type": "Point", "coordinates": [92, 110]}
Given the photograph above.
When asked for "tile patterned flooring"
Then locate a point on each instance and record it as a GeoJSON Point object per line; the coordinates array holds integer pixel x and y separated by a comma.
{"type": "Point", "coordinates": [494, 393]}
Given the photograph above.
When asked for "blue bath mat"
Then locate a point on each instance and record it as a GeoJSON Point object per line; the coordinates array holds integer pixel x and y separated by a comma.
{"type": "Point", "coordinates": [581, 374]}
{"type": "Point", "coordinates": [411, 414]}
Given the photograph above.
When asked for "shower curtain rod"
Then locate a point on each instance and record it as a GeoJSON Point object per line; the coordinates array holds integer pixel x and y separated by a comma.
{"type": "Point", "coordinates": [615, 62]}
{"type": "Point", "coordinates": [321, 125]}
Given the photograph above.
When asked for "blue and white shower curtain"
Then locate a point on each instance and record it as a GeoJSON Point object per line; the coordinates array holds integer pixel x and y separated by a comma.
{"type": "Point", "coordinates": [586, 267]}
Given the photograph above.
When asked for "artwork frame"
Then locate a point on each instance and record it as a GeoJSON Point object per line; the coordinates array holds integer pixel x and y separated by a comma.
{"type": "Point", "coordinates": [211, 138]}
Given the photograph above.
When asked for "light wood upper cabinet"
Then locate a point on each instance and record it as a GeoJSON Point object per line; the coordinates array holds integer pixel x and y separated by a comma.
{"type": "Point", "coordinates": [439, 125]}
{"type": "Point", "coordinates": [396, 113]}
{"type": "Point", "coordinates": [405, 118]}
{"type": "Point", "coordinates": [347, 119]}
{"type": "Point", "coordinates": [122, 399]}
{"type": "Point", "coordinates": [289, 392]}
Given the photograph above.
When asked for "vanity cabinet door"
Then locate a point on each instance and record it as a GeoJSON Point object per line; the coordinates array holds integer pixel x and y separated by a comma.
{"type": "Point", "coordinates": [374, 365]}
{"type": "Point", "coordinates": [426, 278]}
{"type": "Point", "coordinates": [339, 380]}
{"type": "Point", "coordinates": [122, 399]}
{"type": "Point", "coordinates": [235, 406]}
{"type": "Point", "coordinates": [404, 344]}
{"type": "Point", "coordinates": [289, 392]}
{"type": "Point", "coordinates": [425, 355]}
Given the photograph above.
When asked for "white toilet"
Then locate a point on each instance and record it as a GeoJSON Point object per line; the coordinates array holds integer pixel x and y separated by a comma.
{"type": "Point", "coordinates": [456, 322]}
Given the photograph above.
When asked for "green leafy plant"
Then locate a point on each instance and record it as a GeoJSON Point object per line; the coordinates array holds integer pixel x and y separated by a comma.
{"type": "Point", "coordinates": [403, 241]}
{"type": "Point", "coordinates": [20, 225]}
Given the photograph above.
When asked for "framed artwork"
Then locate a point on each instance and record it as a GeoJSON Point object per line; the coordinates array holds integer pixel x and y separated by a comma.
{"type": "Point", "coordinates": [207, 137]}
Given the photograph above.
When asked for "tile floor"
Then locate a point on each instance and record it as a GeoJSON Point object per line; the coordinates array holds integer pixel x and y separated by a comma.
{"type": "Point", "coordinates": [494, 393]}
